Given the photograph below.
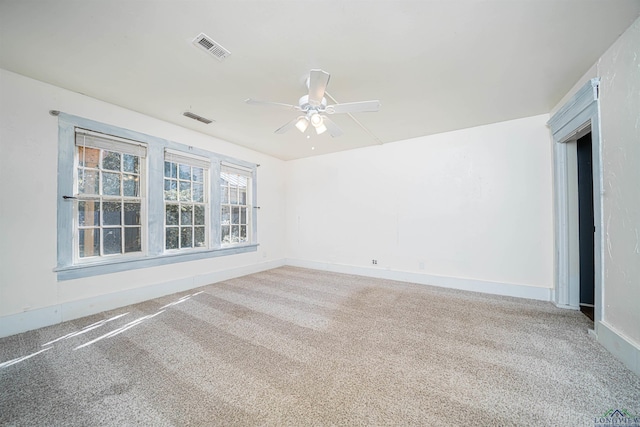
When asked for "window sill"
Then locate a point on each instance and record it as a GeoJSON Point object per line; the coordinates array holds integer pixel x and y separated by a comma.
{"type": "Point", "coordinates": [114, 266]}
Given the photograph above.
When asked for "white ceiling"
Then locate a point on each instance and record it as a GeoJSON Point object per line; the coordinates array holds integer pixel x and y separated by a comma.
{"type": "Point", "coordinates": [434, 65]}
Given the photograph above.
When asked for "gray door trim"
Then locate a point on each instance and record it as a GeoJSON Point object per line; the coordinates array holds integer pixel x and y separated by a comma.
{"type": "Point", "coordinates": [573, 120]}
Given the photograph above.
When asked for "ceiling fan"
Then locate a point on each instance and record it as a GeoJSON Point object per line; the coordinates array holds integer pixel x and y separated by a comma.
{"type": "Point", "coordinates": [314, 107]}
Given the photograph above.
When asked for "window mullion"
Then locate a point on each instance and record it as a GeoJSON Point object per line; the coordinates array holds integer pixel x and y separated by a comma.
{"type": "Point", "coordinates": [179, 222]}
{"type": "Point", "coordinates": [122, 233]}
{"type": "Point", "coordinates": [100, 228]}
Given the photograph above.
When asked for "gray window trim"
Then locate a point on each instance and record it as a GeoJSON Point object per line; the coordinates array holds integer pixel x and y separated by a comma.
{"type": "Point", "coordinates": [155, 255]}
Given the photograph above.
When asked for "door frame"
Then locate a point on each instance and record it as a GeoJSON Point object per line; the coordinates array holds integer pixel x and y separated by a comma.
{"type": "Point", "coordinates": [576, 117]}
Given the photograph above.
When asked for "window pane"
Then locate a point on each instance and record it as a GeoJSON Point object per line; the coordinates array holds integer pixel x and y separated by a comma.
{"type": "Point", "coordinates": [235, 215]}
{"type": "Point", "coordinates": [130, 163]}
{"type": "Point", "coordinates": [198, 215]}
{"type": "Point", "coordinates": [186, 215]}
{"type": "Point", "coordinates": [130, 185]}
{"type": "Point", "coordinates": [184, 172]}
{"type": "Point", "coordinates": [198, 193]}
{"type": "Point", "coordinates": [224, 193]}
{"type": "Point", "coordinates": [233, 194]}
{"type": "Point", "coordinates": [243, 196]}
{"type": "Point", "coordinates": [198, 237]}
{"type": "Point", "coordinates": [170, 170]}
{"type": "Point", "coordinates": [171, 215]}
{"type": "Point", "coordinates": [111, 184]}
{"type": "Point", "coordinates": [111, 213]}
{"type": "Point", "coordinates": [88, 157]}
{"type": "Point", "coordinates": [242, 181]}
{"type": "Point", "coordinates": [89, 242]}
{"type": "Point", "coordinates": [234, 234]}
{"type": "Point", "coordinates": [132, 214]}
{"type": "Point", "coordinates": [243, 233]}
{"type": "Point", "coordinates": [170, 189]}
{"type": "Point", "coordinates": [112, 238]}
{"type": "Point", "coordinates": [243, 215]}
{"type": "Point", "coordinates": [225, 234]}
{"type": "Point", "coordinates": [171, 238]}
{"type": "Point", "coordinates": [198, 174]}
{"type": "Point", "coordinates": [88, 213]}
{"type": "Point", "coordinates": [132, 239]}
{"type": "Point", "coordinates": [88, 181]}
{"type": "Point", "coordinates": [225, 217]}
{"type": "Point", "coordinates": [185, 237]}
{"type": "Point", "coordinates": [185, 191]}
{"type": "Point", "coordinates": [111, 160]}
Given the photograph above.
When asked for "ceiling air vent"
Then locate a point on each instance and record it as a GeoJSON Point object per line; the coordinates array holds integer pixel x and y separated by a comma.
{"type": "Point", "coordinates": [196, 117]}
{"type": "Point", "coordinates": [205, 42]}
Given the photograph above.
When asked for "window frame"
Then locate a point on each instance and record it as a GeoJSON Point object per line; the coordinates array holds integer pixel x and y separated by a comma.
{"type": "Point", "coordinates": [67, 268]}
{"type": "Point", "coordinates": [179, 158]}
{"type": "Point", "coordinates": [101, 197]}
{"type": "Point", "coordinates": [239, 170]}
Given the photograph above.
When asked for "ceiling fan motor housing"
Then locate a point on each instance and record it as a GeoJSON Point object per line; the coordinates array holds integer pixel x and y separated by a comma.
{"type": "Point", "coordinates": [304, 105]}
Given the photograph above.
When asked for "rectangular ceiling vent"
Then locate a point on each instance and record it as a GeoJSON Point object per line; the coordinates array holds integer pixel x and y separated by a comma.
{"type": "Point", "coordinates": [196, 117]}
{"type": "Point", "coordinates": [205, 42]}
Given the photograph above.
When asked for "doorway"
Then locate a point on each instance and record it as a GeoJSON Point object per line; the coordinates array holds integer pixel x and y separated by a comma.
{"type": "Point", "coordinates": [573, 121]}
{"type": "Point", "coordinates": [586, 225]}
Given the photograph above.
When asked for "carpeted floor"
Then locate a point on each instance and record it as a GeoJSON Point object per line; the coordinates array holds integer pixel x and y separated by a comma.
{"type": "Point", "coordinates": [300, 347]}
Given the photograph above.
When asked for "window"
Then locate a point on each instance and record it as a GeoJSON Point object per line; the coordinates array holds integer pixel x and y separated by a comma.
{"type": "Point", "coordinates": [109, 189]}
{"type": "Point", "coordinates": [185, 201]}
{"type": "Point", "coordinates": [235, 216]}
{"type": "Point", "coordinates": [129, 200]}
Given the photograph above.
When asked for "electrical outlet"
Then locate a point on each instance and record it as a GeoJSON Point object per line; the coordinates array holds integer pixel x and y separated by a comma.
{"type": "Point", "coordinates": [374, 261]}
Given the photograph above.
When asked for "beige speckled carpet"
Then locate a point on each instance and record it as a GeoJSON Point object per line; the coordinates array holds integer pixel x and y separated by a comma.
{"type": "Point", "coordinates": [300, 347]}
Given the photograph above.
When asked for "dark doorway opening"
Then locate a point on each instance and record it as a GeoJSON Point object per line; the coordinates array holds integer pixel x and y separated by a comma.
{"type": "Point", "coordinates": [586, 228]}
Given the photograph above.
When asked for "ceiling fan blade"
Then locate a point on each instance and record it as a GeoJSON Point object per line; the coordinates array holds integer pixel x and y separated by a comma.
{"type": "Point", "coordinates": [251, 101]}
{"type": "Point", "coordinates": [318, 81]}
{"type": "Point", "coordinates": [353, 107]}
{"type": "Point", "coordinates": [332, 128]}
{"type": "Point", "coordinates": [287, 127]}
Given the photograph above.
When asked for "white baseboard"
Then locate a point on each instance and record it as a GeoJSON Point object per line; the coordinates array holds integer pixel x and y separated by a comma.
{"type": "Point", "coordinates": [47, 316]}
{"type": "Point", "coordinates": [566, 307]}
{"type": "Point", "coordinates": [619, 345]}
{"type": "Point", "coordinates": [495, 288]}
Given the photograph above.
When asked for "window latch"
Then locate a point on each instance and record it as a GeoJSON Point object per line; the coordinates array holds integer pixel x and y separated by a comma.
{"type": "Point", "coordinates": [69, 197]}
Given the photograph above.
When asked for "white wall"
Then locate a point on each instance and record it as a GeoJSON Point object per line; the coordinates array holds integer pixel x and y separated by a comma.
{"type": "Point", "coordinates": [619, 70]}
{"type": "Point", "coordinates": [30, 295]}
{"type": "Point", "coordinates": [469, 209]}
{"type": "Point", "coordinates": [619, 73]}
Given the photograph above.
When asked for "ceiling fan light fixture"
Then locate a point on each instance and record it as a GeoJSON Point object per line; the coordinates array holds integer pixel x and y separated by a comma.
{"type": "Point", "coordinates": [321, 128]}
{"type": "Point", "coordinates": [316, 120]}
{"type": "Point", "coordinates": [302, 124]}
